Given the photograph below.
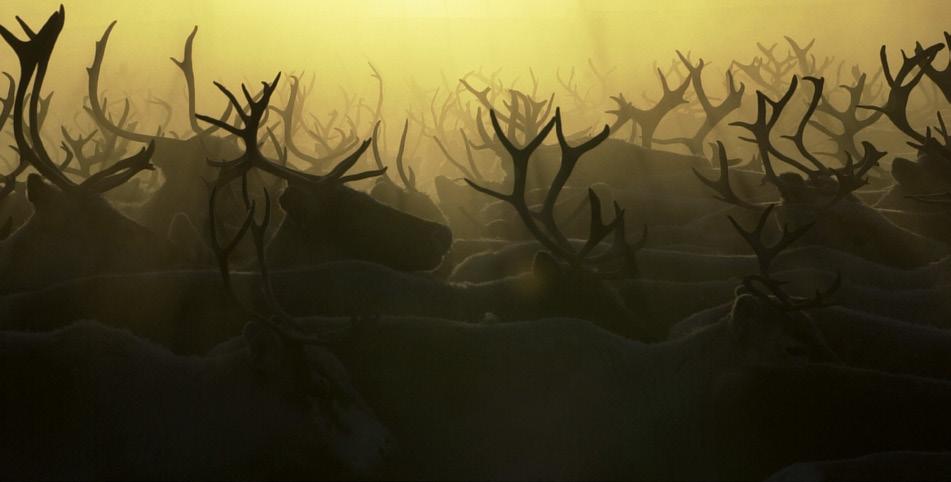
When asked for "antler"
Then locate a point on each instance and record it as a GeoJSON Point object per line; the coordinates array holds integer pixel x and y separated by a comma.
{"type": "Point", "coordinates": [8, 100]}
{"type": "Point", "coordinates": [288, 121]}
{"type": "Point", "coordinates": [766, 254]}
{"type": "Point", "coordinates": [409, 180]}
{"type": "Point", "coordinates": [722, 184]}
{"type": "Point", "coordinates": [849, 177]}
{"type": "Point", "coordinates": [713, 114]}
{"type": "Point", "coordinates": [542, 223]}
{"type": "Point", "coordinates": [649, 119]}
{"type": "Point", "coordinates": [941, 78]}
{"type": "Point", "coordinates": [252, 156]}
{"type": "Point", "coordinates": [848, 118]}
{"type": "Point", "coordinates": [34, 55]}
{"type": "Point", "coordinates": [473, 171]}
{"type": "Point", "coordinates": [901, 87]}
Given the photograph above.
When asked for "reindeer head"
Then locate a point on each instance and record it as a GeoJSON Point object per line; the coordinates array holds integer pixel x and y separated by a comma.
{"type": "Point", "coordinates": [300, 366]}
{"type": "Point", "coordinates": [73, 231]}
{"type": "Point", "coordinates": [323, 213]}
{"type": "Point", "coordinates": [767, 324]}
{"type": "Point", "coordinates": [560, 286]}
{"type": "Point", "coordinates": [357, 226]}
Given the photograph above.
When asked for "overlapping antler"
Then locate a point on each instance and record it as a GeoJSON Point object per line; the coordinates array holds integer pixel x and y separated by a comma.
{"type": "Point", "coordinates": [34, 56]}
{"type": "Point", "coordinates": [541, 223]}
{"type": "Point", "coordinates": [766, 254]}
{"type": "Point", "coordinates": [850, 177]}
{"type": "Point", "coordinates": [901, 85]}
{"type": "Point", "coordinates": [254, 158]}
{"type": "Point", "coordinates": [648, 119]}
{"type": "Point", "coordinates": [407, 176]}
{"type": "Point", "coordinates": [848, 119]}
{"type": "Point", "coordinates": [713, 114]}
{"type": "Point", "coordinates": [289, 121]}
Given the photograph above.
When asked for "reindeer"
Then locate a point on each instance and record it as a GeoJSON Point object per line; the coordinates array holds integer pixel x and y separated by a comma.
{"type": "Point", "coordinates": [181, 161]}
{"type": "Point", "coordinates": [188, 314]}
{"type": "Point", "coordinates": [98, 238]}
{"type": "Point", "coordinates": [504, 394]}
{"type": "Point", "coordinates": [273, 402]}
{"type": "Point", "coordinates": [325, 219]}
{"type": "Point", "coordinates": [825, 196]}
{"type": "Point", "coordinates": [930, 172]}
{"type": "Point", "coordinates": [408, 198]}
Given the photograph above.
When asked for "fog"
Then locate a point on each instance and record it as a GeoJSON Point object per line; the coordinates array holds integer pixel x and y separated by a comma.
{"type": "Point", "coordinates": [431, 42]}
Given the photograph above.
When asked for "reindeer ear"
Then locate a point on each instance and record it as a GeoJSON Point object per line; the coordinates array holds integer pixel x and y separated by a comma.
{"type": "Point", "coordinates": [905, 171]}
{"type": "Point", "coordinates": [293, 201]}
{"type": "Point", "coordinates": [545, 268]}
{"type": "Point", "coordinates": [744, 316]}
{"type": "Point", "coordinates": [266, 349]}
{"type": "Point", "coordinates": [38, 192]}
{"type": "Point", "coordinates": [183, 234]}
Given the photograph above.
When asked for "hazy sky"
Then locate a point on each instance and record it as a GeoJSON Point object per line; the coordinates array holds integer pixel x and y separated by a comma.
{"type": "Point", "coordinates": [249, 39]}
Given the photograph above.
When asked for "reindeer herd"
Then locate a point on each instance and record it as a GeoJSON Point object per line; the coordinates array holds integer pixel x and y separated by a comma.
{"type": "Point", "coordinates": [269, 293]}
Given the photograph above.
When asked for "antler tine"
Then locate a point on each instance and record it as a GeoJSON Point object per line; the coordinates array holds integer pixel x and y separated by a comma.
{"type": "Point", "coordinates": [8, 101]}
{"type": "Point", "coordinates": [934, 198]}
{"type": "Point", "coordinates": [713, 115]}
{"type": "Point", "coordinates": [516, 198]}
{"type": "Point", "coordinates": [799, 137]}
{"type": "Point", "coordinates": [931, 144]}
{"type": "Point", "coordinates": [941, 78]}
{"type": "Point", "coordinates": [801, 54]}
{"type": "Point", "coordinates": [622, 249]}
{"type": "Point", "coordinates": [850, 178]}
{"type": "Point", "coordinates": [783, 300]}
{"type": "Point", "coordinates": [409, 180]}
{"type": "Point", "coordinates": [95, 108]}
{"type": "Point", "coordinates": [288, 120]}
{"type": "Point", "coordinates": [339, 172]}
{"type": "Point", "coordinates": [253, 157]}
{"type": "Point", "coordinates": [223, 252]}
{"type": "Point", "coordinates": [34, 55]}
{"type": "Point", "coordinates": [766, 254]}
{"type": "Point", "coordinates": [376, 148]}
{"type": "Point", "coordinates": [257, 235]}
{"type": "Point", "coordinates": [120, 172]}
{"type": "Point", "coordinates": [900, 88]}
{"type": "Point", "coordinates": [452, 160]}
{"type": "Point", "coordinates": [187, 68]}
{"type": "Point", "coordinates": [722, 184]}
{"type": "Point", "coordinates": [650, 118]}
{"type": "Point", "coordinates": [569, 159]}
{"type": "Point", "coordinates": [597, 230]}
{"type": "Point", "coordinates": [851, 124]}
{"type": "Point", "coordinates": [762, 128]}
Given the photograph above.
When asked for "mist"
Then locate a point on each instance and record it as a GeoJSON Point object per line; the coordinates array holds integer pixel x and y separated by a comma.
{"type": "Point", "coordinates": [432, 43]}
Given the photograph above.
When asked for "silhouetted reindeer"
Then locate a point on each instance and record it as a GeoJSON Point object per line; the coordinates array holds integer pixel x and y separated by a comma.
{"type": "Point", "coordinates": [74, 231]}
{"type": "Point", "coordinates": [325, 219]}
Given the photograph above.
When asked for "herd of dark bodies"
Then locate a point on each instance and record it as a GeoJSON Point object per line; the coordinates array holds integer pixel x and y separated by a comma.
{"type": "Point", "coordinates": [598, 306]}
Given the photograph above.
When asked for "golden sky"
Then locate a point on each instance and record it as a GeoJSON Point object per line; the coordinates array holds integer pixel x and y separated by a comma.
{"type": "Point", "coordinates": [252, 39]}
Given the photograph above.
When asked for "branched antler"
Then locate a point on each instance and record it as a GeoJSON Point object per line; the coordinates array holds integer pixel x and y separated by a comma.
{"type": "Point", "coordinates": [648, 119]}
{"type": "Point", "coordinates": [713, 114]}
{"type": "Point", "coordinates": [252, 156]}
{"type": "Point", "coordinates": [849, 177]}
{"type": "Point", "coordinates": [34, 55]}
{"type": "Point", "coordinates": [541, 223]}
{"type": "Point", "coordinates": [765, 255]}
{"type": "Point", "coordinates": [473, 171]}
{"type": "Point", "coordinates": [722, 185]}
{"type": "Point", "coordinates": [407, 176]}
{"type": "Point", "coordinates": [848, 119]}
{"type": "Point", "coordinates": [901, 86]}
